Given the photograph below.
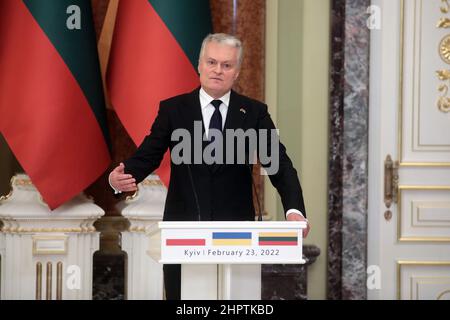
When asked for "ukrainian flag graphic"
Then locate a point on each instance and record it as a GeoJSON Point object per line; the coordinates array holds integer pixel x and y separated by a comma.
{"type": "Point", "coordinates": [232, 238]}
{"type": "Point", "coordinates": [278, 239]}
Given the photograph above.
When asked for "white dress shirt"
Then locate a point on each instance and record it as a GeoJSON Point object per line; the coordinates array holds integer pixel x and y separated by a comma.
{"type": "Point", "coordinates": [208, 109]}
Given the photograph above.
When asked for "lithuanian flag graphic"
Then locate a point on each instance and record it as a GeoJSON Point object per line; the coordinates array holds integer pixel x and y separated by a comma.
{"type": "Point", "coordinates": [154, 56]}
{"type": "Point", "coordinates": [278, 239]}
{"type": "Point", "coordinates": [232, 238]}
{"type": "Point", "coordinates": [52, 110]}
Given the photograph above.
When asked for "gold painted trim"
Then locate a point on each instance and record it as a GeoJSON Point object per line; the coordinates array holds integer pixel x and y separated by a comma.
{"type": "Point", "coordinates": [443, 23]}
{"type": "Point", "coordinates": [440, 296]}
{"type": "Point", "coordinates": [399, 282]}
{"type": "Point", "coordinates": [400, 87]}
{"type": "Point", "coordinates": [147, 182]}
{"type": "Point", "coordinates": [419, 239]}
{"type": "Point", "coordinates": [399, 214]}
{"type": "Point", "coordinates": [22, 182]}
{"type": "Point", "coordinates": [446, 8]}
{"type": "Point", "coordinates": [419, 80]}
{"type": "Point", "coordinates": [6, 197]}
{"type": "Point", "coordinates": [425, 164]}
{"type": "Point", "coordinates": [410, 187]}
{"type": "Point", "coordinates": [137, 229]}
{"type": "Point", "coordinates": [427, 280]}
{"type": "Point", "coordinates": [38, 281]}
{"type": "Point", "coordinates": [423, 263]}
{"type": "Point", "coordinates": [417, 44]}
{"type": "Point", "coordinates": [48, 230]}
{"type": "Point", "coordinates": [132, 197]}
{"type": "Point", "coordinates": [401, 263]}
{"type": "Point", "coordinates": [49, 281]}
{"type": "Point", "coordinates": [400, 101]}
{"type": "Point", "coordinates": [444, 49]}
{"type": "Point", "coordinates": [59, 276]}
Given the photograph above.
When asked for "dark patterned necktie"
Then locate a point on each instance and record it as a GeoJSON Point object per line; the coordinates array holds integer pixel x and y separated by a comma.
{"type": "Point", "coordinates": [215, 123]}
{"type": "Point", "coordinates": [216, 119]}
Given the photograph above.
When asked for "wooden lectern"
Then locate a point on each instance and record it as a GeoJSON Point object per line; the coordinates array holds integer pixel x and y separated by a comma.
{"type": "Point", "coordinates": [221, 260]}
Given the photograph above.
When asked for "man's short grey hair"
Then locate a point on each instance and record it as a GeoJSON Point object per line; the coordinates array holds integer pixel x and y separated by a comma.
{"type": "Point", "coordinates": [226, 39]}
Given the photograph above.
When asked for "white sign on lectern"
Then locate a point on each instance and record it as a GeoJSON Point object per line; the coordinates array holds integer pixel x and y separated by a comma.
{"type": "Point", "coordinates": [246, 242]}
{"type": "Point", "coordinates": [222, 259]}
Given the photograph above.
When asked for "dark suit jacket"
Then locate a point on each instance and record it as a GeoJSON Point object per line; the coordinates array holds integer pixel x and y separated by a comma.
{"type": "Point", "coordinates": [224, 191]}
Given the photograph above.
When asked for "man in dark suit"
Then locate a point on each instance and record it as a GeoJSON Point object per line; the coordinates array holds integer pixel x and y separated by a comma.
{"type": "Point", "coordinates": [200, 190]}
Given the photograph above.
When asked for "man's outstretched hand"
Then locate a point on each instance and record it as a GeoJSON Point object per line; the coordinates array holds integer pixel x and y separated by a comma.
{"type": "Point", "coordinates": [121, 181]}
{"type": "Point", "coordinates": [297, 217]}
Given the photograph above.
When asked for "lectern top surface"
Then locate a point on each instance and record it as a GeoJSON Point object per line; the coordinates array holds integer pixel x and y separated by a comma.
{"type": "Point", "coordinates": [232, 224]}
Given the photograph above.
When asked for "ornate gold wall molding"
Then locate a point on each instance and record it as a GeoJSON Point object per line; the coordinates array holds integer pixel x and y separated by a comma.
{"type": "Point", "coordinates": [443, 102]}
{"type": "Point", "coordinates": [446, 7]}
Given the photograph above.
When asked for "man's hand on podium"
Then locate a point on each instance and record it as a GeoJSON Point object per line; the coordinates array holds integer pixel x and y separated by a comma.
{"type": "Point", "coordinates": [297, 217]}
{"type": "Point", "coordinates": [121, 181]}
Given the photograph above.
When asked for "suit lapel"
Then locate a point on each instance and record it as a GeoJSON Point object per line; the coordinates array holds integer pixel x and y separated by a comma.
{"type": "Point", "coordinates": [235, 119]}
{"type": "Point", "coordinates": [236, 113]}
{"type": "Point", "coordinates": [193, 111]}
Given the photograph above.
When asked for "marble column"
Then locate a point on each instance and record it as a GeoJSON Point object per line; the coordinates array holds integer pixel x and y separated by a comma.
{"type": "Point", "coordinates": [348, 168]}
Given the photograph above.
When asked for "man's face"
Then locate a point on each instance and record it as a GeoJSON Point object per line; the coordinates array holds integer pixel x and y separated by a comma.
{"type": "Point", "coordinates": [218, 68]}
